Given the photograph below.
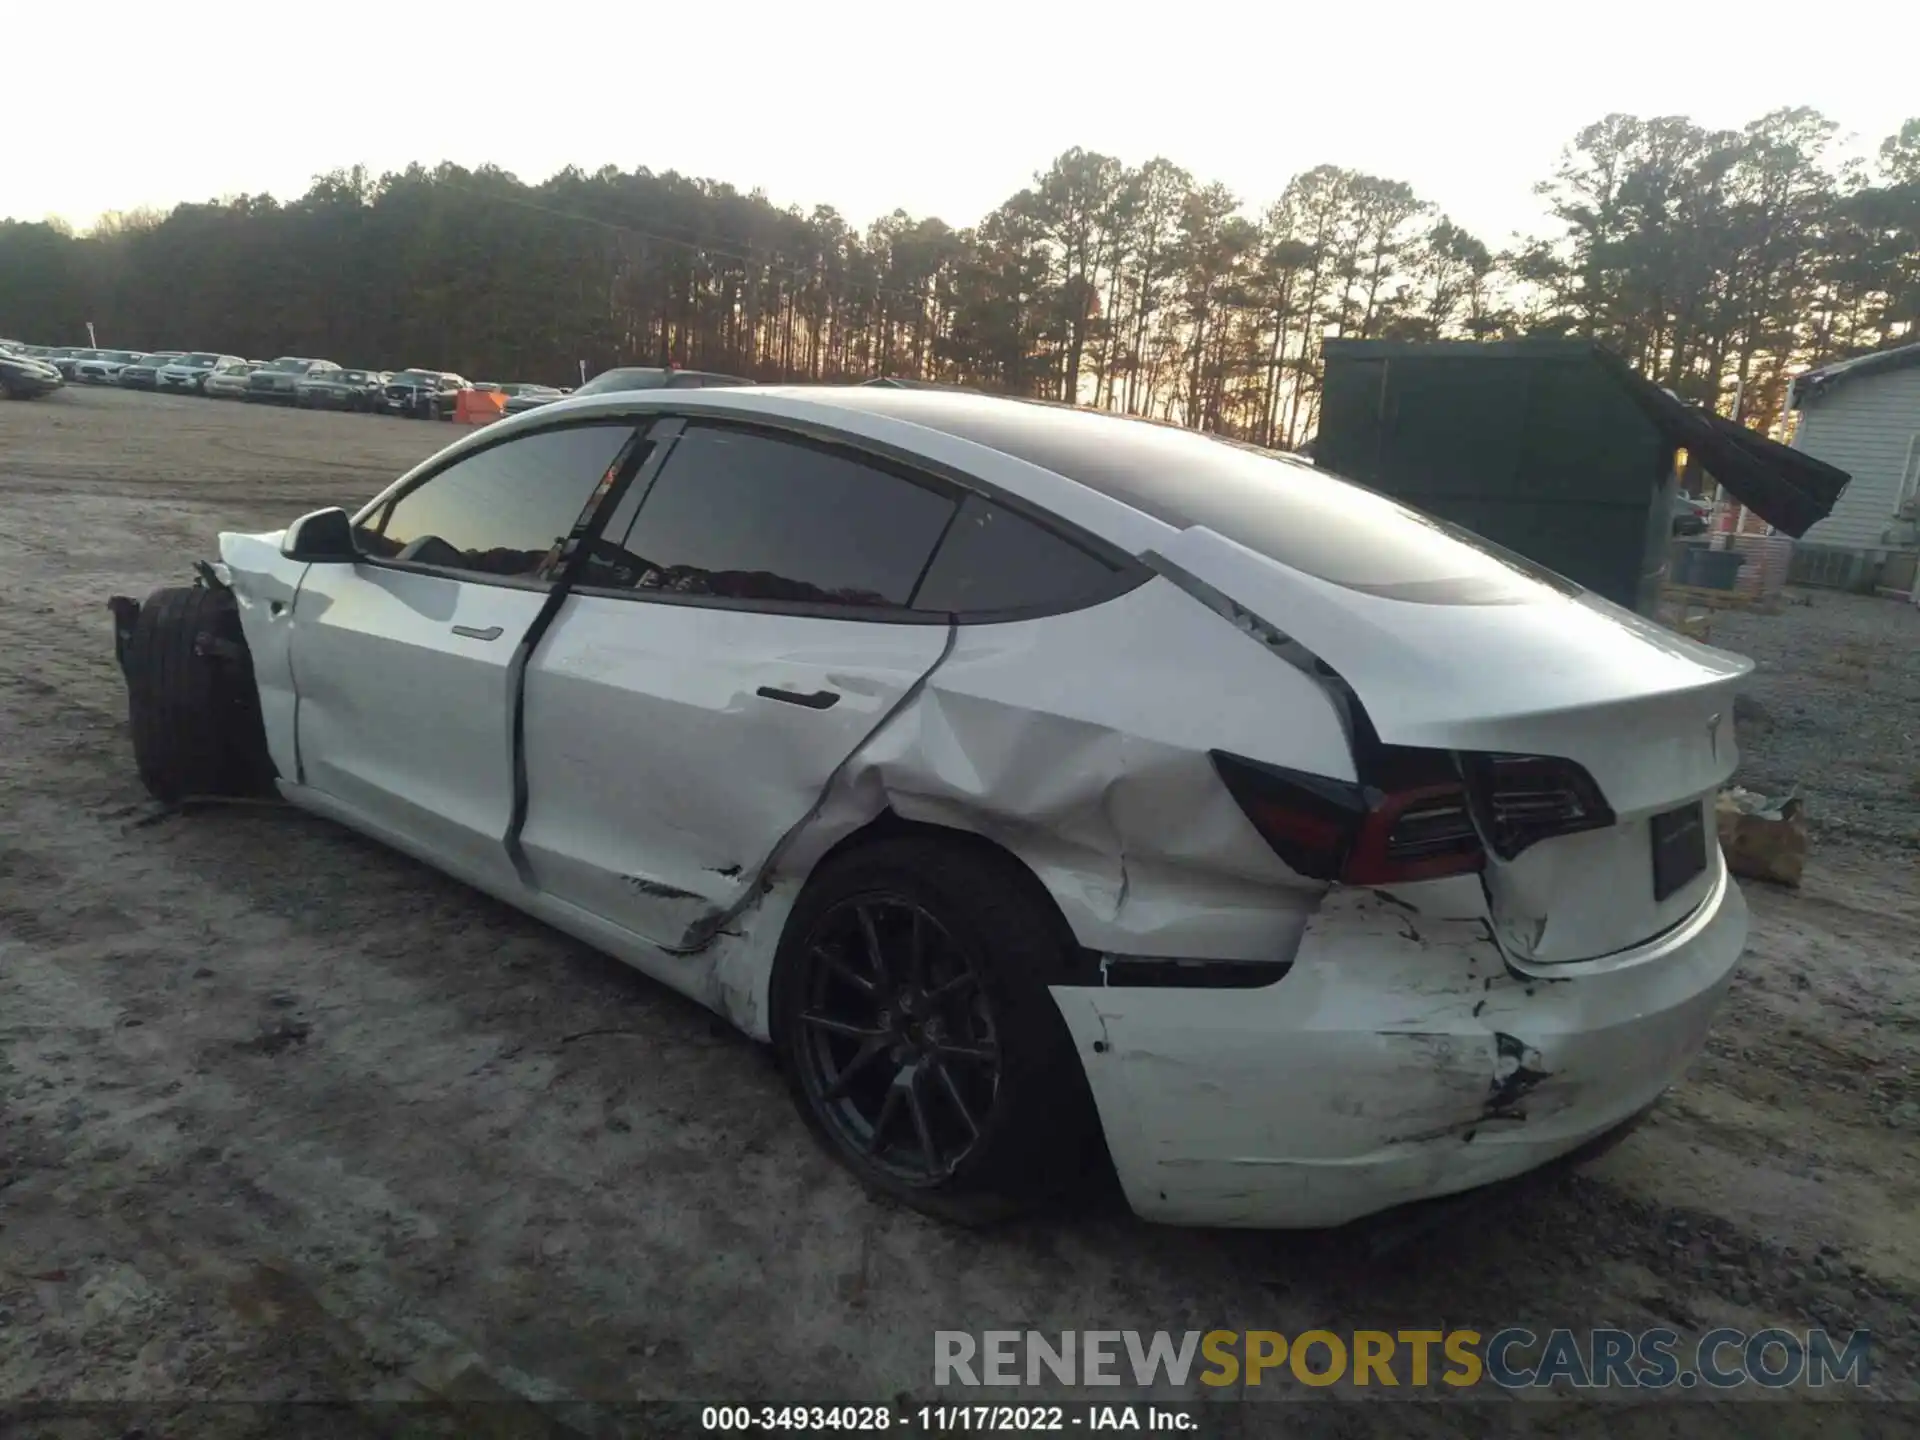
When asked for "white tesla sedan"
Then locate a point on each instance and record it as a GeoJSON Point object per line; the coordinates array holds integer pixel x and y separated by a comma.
{"type": "Point", "coordinates": [1028, 777]}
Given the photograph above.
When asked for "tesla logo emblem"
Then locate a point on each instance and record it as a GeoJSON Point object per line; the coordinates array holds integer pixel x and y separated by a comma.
{"type": "Point", "coordinates": [1713, 735]}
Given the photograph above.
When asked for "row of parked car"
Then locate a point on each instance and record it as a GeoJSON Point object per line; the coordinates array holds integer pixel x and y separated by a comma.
{"type": "Point", "coordinates": [308, 383]}
{"type": "Point", "coordinates": [289, 380]}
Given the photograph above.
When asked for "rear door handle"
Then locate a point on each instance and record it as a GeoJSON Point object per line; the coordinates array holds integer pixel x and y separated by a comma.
{"type": "Point", "coordinates": [492, 632]}
{"type": "Point", "coordinates": [818, 700]}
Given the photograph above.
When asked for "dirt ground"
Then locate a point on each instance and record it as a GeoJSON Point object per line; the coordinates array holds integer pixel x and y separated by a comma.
{"type": "Point", "coordinates": [284, 1116]}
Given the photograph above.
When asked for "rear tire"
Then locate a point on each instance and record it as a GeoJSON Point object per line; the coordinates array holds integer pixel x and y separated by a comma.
{"type": "Point", "coordinates": [955, 1090]}
{"type": "Point", "coordinates": [191, 700]}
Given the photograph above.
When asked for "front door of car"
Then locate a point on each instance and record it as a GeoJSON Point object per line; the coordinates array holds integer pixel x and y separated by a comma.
{"type": "Point", "coordinates": [404, 662]}
{"type": "Point", "coordinates": [738, 632]}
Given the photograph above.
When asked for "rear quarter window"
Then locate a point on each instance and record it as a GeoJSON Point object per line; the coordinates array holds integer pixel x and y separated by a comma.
{"type": "Point", "coordinates": [994, 561]}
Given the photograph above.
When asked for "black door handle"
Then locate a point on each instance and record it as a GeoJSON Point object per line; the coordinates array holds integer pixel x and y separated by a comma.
{"type": "Point", "coordinates": [492, 632]}
{"type": "Point", "coordinates": [818, 700]}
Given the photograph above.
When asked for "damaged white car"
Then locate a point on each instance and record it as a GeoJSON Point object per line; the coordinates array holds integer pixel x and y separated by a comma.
{"type": "Point", "coordinates": [1029, 778]}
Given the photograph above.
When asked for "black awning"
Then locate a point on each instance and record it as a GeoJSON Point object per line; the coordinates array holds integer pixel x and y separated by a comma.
{"type": "Point", "coordinates": [1787, 488]}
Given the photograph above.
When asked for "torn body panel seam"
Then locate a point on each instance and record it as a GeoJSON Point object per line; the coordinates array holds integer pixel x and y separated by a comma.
{"type": "Point", "coordinates": [702, 932]}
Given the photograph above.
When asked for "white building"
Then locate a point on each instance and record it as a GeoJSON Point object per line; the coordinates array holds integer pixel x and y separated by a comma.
{"type": "Point", "coordinates": [1863, 415]}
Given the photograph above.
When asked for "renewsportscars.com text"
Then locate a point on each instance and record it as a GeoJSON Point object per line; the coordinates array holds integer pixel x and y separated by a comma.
{"type": "Point", "coordinates": [1513, 1358]}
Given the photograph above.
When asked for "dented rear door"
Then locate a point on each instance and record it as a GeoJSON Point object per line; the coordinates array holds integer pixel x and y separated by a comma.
{"type": "Point", "coordinates": [670, 747]}
{"type": "Point", "coordinates": [720, 658]}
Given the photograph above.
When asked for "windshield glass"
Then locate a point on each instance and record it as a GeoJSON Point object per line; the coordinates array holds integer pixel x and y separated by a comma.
{"type": "Point", "coordinates": [415, 377]}
{"type": "Point", "coordinates": [197, 358]}
{"type": "Point", "coordinates": [632, 378]}
{"type": "Point", "coordinates": [289, 366]}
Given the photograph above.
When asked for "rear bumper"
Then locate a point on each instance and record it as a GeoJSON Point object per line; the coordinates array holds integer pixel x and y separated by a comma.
{"type": "Point", "coordinates": [1400, 1059]}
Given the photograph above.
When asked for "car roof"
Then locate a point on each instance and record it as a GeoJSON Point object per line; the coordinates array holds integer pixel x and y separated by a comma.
{"type": "Point", "coordinates": [1132, 483]}
{"type": "Point", "coordinates": [1044, 455]}
{"type": "Point", "coordinates": [1136, 461]}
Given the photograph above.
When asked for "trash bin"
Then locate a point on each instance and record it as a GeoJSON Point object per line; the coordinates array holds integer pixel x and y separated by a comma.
{"type": "Point", "coordinates": [1553, 448]}
{"type": "Point", "coordinates": [1714, 569]}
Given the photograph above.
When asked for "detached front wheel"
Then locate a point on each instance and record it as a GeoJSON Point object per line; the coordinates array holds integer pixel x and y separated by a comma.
{"type": "Point", "coordinates": [912, 1017]}
{"type": "Point", "coordinates": [192, 704]}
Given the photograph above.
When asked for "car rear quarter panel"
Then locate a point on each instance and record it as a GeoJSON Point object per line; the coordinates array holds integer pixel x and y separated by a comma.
{"type": "Point", "coordinates": [1080, 743]}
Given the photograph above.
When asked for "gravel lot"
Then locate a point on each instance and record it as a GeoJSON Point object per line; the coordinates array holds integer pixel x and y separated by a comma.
{"type": "Point", "coordinates": [1836, 717]}
{"type": "Point", "coordinates": [284, 1116]}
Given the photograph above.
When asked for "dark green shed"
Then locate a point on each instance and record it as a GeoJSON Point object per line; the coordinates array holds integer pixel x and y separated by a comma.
{"type": "Point", "coordinates": [1555, 449]}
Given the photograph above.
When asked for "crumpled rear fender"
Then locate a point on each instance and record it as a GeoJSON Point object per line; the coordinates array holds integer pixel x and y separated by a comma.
{"type": "Point", "coordinates": [1081, 743]}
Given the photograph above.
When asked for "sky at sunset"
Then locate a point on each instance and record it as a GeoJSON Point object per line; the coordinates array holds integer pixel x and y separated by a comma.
{"type": "Point", "coordinates": [941, 110]}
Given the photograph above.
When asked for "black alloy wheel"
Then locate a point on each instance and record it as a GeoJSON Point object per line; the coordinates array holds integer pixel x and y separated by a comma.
{"type": "Point", "coordinates": [901, 1050]}
{"type": "Point", "coordinates": [912, 1017]}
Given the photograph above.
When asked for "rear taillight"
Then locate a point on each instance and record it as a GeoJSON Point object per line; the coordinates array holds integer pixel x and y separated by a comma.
{"type": "Point", "coordinates": [1521, 800]}
{"type": "Point", "coordinates": [1415, 825]}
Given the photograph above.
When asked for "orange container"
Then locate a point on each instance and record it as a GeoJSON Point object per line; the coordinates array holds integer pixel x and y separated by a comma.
{"type": "Point", "coordinates": [478, 407]}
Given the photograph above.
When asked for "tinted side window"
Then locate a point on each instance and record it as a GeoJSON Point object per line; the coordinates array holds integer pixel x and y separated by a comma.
{"type": "Point", "coordinates": [748, 516]}
{"type": "Point", "coordinates": [993, 559]}
{"type": "Point", "coordinates": [504, 510]}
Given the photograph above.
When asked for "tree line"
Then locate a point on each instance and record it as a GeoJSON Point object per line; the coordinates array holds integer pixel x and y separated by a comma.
{"type": "Point", "coordinates": [1717, 261]}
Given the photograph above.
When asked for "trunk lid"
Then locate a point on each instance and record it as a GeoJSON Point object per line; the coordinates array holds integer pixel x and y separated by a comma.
{"type": "Point", "coordinates": [1525, 668]}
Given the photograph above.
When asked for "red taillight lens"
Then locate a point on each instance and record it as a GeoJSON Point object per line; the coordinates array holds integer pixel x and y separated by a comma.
{"type": "Point", "coordinates": [1419, 829]}
{"type": "Point", "coordinates": [1521, 800]}
{"type": "Point", "coordinates": [1420, 834]}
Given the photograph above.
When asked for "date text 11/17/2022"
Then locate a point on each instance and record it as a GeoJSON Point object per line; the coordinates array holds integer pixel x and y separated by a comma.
{"type": "Point", "coordinates": [949, 1419]}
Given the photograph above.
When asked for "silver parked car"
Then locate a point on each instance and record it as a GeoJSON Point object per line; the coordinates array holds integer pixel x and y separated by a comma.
{"type": "Point", "coordinates": [341, 390]}
{"type": "Point", "coordinates": [187, 374]}
{"type": "Point", "coordinates": [278, 382]}
{"type": "Point", "coordinates": [24, 376]}
{"type": "Point", "coordinates": [228, 380]}
{"type": "Point", "coordinates": [103, 367]}
{"type": "Point", "coordinates": [144, 373]}
{"type": "Point", "coordinates": [522, 397]}
{"type": "Point", "coordinates": [66, 358]}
